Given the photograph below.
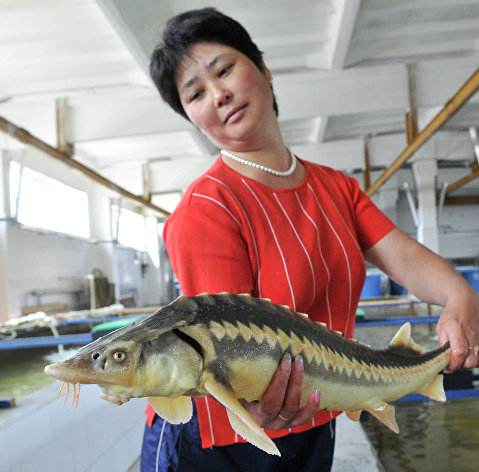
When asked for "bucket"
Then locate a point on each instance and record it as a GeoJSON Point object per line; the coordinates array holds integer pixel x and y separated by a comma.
{"type": "Point", "coordinates": [472, 276]}
{"type": "Point", "coordinates": [372, 286]}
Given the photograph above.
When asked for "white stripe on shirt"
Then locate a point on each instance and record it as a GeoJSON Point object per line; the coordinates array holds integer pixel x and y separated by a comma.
{"type": "Point", "coordinates": [355, 241]}
{"type": "Point", "coordinates": [302, 245]}
{"type": "Point", "coordinates": [258, 282]}
{"type": "Point", "coordinates": [344, 252]}
{"type": "Point", "coordinates": [277, 243]}
{"type": "Point", "coordinates": [328, 273]}
{"type": "Point", "coordinates": [218, 203]}
{"type": "Point", "coordinates": [209, 420]}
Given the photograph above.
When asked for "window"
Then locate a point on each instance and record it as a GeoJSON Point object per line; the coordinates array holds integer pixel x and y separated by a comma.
{"type": "Point", "coordinates": [137, 231]}
{"type": "Point", "coordinates": [131, 228]}
{"type": "Point", "coordinates": [41, 202]}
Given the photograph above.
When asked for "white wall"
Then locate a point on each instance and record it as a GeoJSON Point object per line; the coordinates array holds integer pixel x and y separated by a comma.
{"type": "Point", "coordinates": [47, 261]}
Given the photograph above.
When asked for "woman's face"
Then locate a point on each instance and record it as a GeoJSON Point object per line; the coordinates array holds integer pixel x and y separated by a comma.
{"type": "Point", "coordinates": [226, 96]}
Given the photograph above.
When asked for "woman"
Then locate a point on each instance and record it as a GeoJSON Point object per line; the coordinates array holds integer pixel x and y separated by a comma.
{"type": "Point", "coordinates": [263, 221]}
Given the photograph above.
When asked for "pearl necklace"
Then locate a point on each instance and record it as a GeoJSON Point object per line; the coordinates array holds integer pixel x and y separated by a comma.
{"type": "Point", "coordinates": [286, 173]}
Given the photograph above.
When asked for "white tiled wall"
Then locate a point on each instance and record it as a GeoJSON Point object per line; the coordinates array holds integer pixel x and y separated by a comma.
{"type": "Point", "coordinates": [41, 435]}
{"type": "Point", "coordinates": [36, 262]}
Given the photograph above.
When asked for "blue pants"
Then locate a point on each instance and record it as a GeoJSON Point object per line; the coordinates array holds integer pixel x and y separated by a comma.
{"type": "Point", "coordinates": [177, 448]}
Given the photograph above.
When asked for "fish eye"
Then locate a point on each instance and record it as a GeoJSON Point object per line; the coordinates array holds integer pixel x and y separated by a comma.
{"type": "Point", "coordinates": [119, 356]}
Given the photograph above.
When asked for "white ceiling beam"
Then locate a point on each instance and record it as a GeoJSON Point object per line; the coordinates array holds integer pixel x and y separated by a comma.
{"type": "Point", "coordinates": [128, 118]}
{"type": "Point", "coordinates": [334, 93]}
{"type": "Point", "coordinates": [438, 81]}
{"type": "Point", "coordinates": [342, 92]}
{"type": "Point", "coordinates": [319, 129]}
{"type": "Point", "coordinates": [414, 4]}
{"type": "Point", "coordinates": [265, 19]}
{"type": "Point", "coordinates": [422, 49]}
{"type": "Point", "coordinates": [341, 27]}
{"type": "Point", "coordinates": [343, 30]}
{"type": "Point", "coordinates": [412, 30]}
{"type": "Point", "coordinates": [59, 46]}
{"type": "Point", "coordinates": [127, 35]}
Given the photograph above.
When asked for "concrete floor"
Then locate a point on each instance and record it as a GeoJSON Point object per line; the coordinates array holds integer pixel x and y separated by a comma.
{"type": "Point", "coordinates": [135, 467]}
{"type": "Point", "coordinates": [353, 453]}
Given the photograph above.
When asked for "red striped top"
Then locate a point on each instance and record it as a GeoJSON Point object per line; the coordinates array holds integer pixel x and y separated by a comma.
{"type": "Point", "coordinates": [300, 247]}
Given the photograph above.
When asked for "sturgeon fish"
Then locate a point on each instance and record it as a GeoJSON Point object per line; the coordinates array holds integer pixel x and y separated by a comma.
{"type": "Point", "coordinates": [229, 346]}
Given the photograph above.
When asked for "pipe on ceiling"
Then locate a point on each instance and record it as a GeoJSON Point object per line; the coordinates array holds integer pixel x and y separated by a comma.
{"type": "Point", "coordinates": [449, 109]}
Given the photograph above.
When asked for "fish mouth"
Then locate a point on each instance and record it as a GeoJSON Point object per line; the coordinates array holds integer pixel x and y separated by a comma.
{"type": "Point", "coordinates": [75, 376]}
{"type": "Point", "coordinates": [232, 112]}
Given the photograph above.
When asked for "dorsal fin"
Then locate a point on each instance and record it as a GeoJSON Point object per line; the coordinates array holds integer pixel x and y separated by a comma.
{"type": "Point", "coordinates": [403, 338]}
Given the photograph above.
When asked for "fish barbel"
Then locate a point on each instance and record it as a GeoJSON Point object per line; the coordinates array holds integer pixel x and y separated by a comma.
{"type": "Point", "coordinates": [229, 346]}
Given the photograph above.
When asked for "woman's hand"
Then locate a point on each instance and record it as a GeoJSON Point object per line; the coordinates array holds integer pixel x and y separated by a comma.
{"type": "Point", "coordinates": [280, 406]}
{"type": "Point", "coordinates": [459, 324]}
{"type": "Point", "coordinates": [433, 280]}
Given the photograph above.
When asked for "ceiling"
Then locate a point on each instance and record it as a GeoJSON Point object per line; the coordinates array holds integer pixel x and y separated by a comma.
{"type": "Point", "coordinates": [345, 72]}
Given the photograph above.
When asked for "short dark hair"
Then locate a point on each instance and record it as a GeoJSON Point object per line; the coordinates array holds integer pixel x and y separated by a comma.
{"type": "Point", "coordinates": [191, 27]}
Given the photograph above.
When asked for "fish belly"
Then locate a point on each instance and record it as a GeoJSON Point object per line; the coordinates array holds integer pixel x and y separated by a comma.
{"type": "Point", "coordinates": [363, 396]}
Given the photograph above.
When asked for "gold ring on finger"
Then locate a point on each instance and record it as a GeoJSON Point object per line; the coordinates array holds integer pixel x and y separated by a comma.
{"type": "Point", "coordinates": [475, 349]}
{"type": "Point", "coordinates": [283, 418]}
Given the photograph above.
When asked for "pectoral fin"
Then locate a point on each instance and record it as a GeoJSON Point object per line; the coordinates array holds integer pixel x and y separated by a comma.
{"type": "Point", "coordinates": [174, 410]}
{"type": "Point", "coordinates": [385, 414]}
{"type": "Point", "coordinates": [354, 415]}
{"type": "Point", "coordinates": [241, 421]}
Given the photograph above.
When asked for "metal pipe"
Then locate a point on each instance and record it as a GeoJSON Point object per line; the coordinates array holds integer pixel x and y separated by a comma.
{"type": "Point", "coordinates": [442, 197]}
{"type": "Point", "coordinates": [475, 144]}
{"type": "Point", "coordinates": [472, 200]}
{"type": "Point", "coordinates": [411, 203]}
{"type": "Point", "coordinates": [451, 107]}
{"type": "Point", "coordinates": [146, 182]}
{"type": "Point", "coordinates": [25, 137]}
{"type": "Point", "coordinates": [62, 143]}
{"type": "Point", "coordinates": [367, 164]}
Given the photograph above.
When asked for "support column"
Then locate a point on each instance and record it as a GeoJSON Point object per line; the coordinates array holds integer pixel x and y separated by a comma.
{"type": "Point", "coordinates": [425, 172]}
{"type": "Point", "coordinates": [387, 202]}
{"type": "Point", "coordinates": [100, 231]}
{"type": "Point", "coordinates": [4, 215]}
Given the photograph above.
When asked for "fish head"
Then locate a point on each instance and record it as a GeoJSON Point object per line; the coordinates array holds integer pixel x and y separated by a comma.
{"type": "Point", "coordinates": [134, 362]}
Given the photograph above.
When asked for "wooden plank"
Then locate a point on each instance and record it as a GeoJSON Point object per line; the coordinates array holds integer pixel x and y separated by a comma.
{"type": "Point", "coordinates": [58, 307]}
{"type": "Point", "coordinates": [378, 302]}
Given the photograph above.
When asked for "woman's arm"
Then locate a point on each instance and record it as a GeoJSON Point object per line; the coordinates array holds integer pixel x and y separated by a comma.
{"type": "Point", "coordinates": [433, 280]}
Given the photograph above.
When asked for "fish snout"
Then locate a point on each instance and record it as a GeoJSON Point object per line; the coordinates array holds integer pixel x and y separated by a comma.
{"type": "Point", "coordinates": [50, 370]}
{"type": "Point", "coordinates": [56, 371]}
